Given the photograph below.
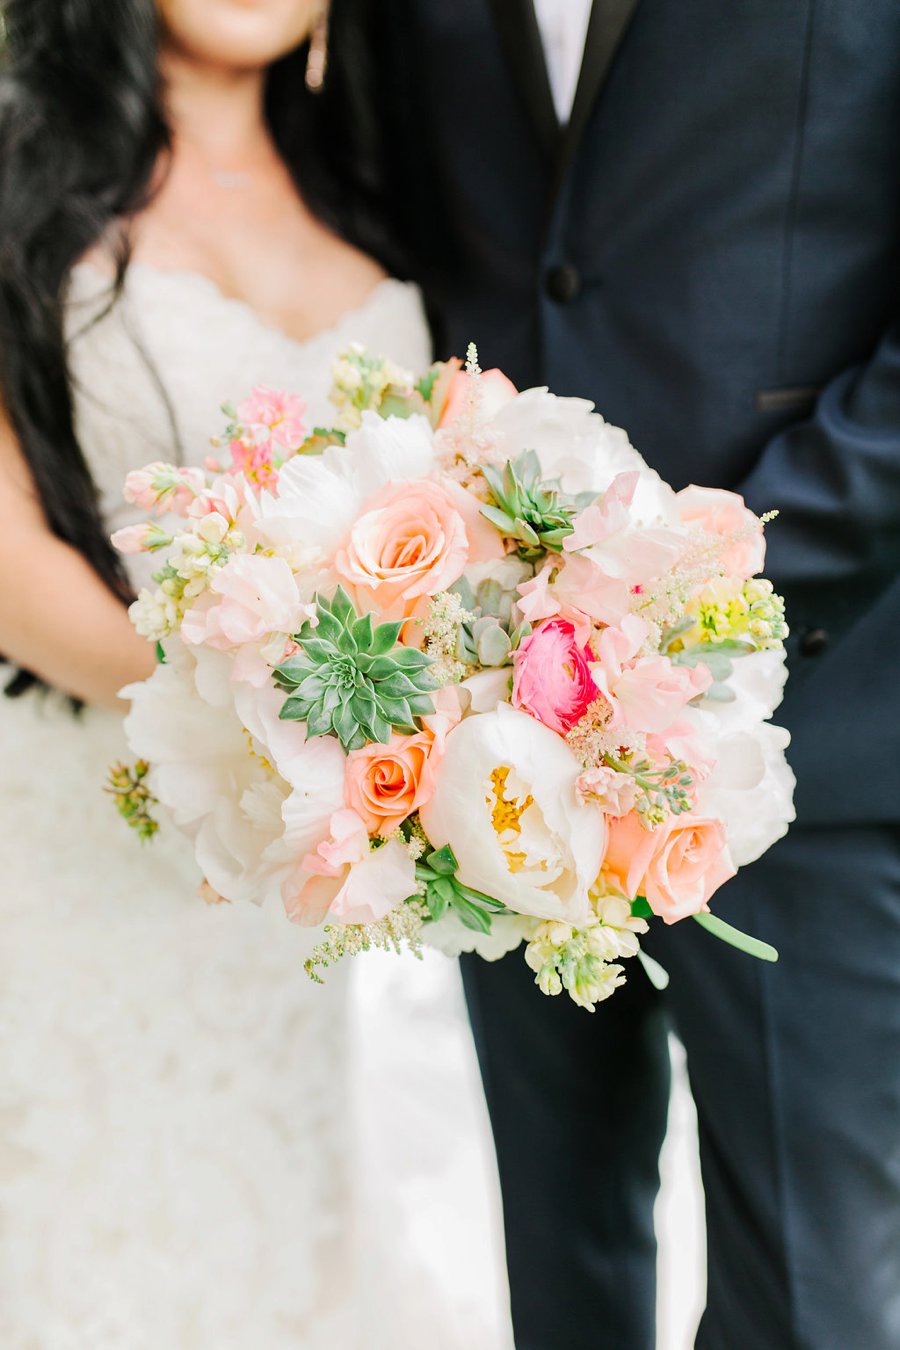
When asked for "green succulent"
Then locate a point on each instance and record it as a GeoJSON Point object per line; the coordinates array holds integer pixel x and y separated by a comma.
{"type": "Point", "coordinates": [533, 512]}
{"type": "Point", "coordinates": [443, 890]}
{"type": "Point", "coordinates": [352, 680]}
{"type": "Point", "coordinates": [492, 633]}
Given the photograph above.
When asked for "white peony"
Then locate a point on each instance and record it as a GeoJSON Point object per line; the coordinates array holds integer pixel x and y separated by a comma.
{"type": "Point", "coordinates": [575, 445]}
{"type": "Point", "coordinates": [226, 767]}
{"type": "Point", "coordinates": [750, 789]}
{"type": "Point", "coordinates": [507, 805]}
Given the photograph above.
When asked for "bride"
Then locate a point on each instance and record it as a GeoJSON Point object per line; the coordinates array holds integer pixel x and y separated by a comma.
{"type": "Point", "coordinates": [179, 1154]}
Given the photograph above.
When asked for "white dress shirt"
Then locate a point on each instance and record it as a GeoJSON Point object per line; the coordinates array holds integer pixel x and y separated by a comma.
{"type": "Point", "coordinates": [563, 25]}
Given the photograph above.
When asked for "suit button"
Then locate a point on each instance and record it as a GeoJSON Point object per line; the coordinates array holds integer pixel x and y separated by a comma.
{"type": "Point", "coordinates": [564, 283]}
{"type": "Point", "coordinates": [814, 641]}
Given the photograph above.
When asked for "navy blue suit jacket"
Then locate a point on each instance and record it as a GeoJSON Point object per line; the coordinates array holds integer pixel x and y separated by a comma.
{"type": "Point", "coordinates": [710, 252]}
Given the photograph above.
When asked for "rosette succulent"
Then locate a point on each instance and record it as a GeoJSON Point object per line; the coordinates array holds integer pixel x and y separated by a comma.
{"type": "Point", "coordinates": [492, 630]}
{"type": "Point", "coordinates": [351, 679]}
{"type": "Point", "coordinates": [527, 509]}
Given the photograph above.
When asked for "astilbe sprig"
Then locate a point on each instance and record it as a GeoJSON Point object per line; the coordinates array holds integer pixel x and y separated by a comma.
{"type": "Point", "coordinates": [401, 928]}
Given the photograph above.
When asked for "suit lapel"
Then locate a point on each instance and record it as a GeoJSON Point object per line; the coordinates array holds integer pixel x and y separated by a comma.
{"type": "Point", "coordinates": [606, 29]}
{"type": "Point", "coordinates": [521, 38]}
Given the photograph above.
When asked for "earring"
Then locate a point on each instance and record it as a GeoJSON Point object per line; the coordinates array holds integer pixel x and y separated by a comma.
{"type": "Point", "coordinates": [317, 60]}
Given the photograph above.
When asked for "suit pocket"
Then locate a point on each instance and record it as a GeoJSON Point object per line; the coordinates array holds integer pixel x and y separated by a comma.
{"type": "Point", "coordinates": [798, 398]}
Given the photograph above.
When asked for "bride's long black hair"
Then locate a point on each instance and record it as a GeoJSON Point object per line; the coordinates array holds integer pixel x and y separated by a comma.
{"type": "Point", "coordinates": [82, 134]}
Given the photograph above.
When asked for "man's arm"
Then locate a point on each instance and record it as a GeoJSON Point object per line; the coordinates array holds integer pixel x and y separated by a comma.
{"type": "Point", "coordinates": [835, 479]}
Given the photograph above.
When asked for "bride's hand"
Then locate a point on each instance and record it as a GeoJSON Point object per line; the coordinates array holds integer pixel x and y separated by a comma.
{"type": "Point", "coordinates": [57, 618]}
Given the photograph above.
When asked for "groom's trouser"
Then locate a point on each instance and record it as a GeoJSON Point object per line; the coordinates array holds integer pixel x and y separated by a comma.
{"type": "Point", "coordinates": [795, 1069]}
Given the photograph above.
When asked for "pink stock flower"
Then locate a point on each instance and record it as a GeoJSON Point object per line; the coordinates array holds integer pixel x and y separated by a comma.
{"type": "Point", "coordinates": [347, 879]}
{"type": "Point", "coordinates": [615, 793]}
{"type": "Point", "coordinates": [646, 693]}
{"type": "Point", "coordinates": [386, 783]}
{"type": "Point", "coordinates": [282, 414]}
{"type": "Point", "coordinates": [254, 462]}
{"type": "Point", "coordinates": [409, 543]}
{"type": "Point", "coordinates": [724, 513]}
{"type": "Point", "coordinates": [163, 487]}
{"type": "Point", "coordinates": [496, 391]}
{"type": "Point", "coordinates": [142, 538]}
{"type": "Point", "coordinates": [677, 866]}
{"type": "Point", "coordinates": [552, 676]}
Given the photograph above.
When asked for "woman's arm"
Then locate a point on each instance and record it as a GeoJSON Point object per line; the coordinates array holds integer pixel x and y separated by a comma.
{"type": "Point", "coordinates": [57, 618]}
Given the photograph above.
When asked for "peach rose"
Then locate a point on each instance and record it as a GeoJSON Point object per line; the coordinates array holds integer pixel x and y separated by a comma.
{"type": "Point", "coordinates": [385, 783]}
{"type": "Point", "coordinates": [676, 866]}
{"type": "Point", "coordinates": [409, 543]}
{"type": "Point", "coordinates": [721, 512]}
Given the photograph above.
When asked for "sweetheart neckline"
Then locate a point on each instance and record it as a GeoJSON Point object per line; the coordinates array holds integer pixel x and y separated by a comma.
{"type": "Point", "coordinates": [201, 282]}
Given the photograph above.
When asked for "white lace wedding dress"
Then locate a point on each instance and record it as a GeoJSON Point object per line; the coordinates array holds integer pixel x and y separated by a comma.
{"type": "Point", "coordinates": [200, 1150]}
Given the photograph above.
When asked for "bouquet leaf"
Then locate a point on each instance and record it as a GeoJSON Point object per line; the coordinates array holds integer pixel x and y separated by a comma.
{"type": "Point", "coordinates": [735, 938]}
{"type": "Point", "coordinates": [443, 890]}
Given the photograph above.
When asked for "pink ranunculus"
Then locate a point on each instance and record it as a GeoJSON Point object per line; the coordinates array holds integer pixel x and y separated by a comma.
{"type": "Point", "coordinates": [496, 392]}
{"type": "Point", "coordinates": [249, 599]}
{"type": "Point", "coordinates": [677, 866]}
{"type": "Point", "coordinates": [281, 413]}
{"type": "Point", "coordinates": [347, 879]}
{"type": "Point", "coordinates": [725, 513]}
{"type": "Point", "coordinates": [386, 783]}
{"type": "Point", "coordinates": [409, 543]}
{"type": "Point", "coordinates": [552, 676]}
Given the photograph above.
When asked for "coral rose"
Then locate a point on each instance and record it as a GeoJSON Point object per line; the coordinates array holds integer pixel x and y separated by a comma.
{"type": "Point", "coordinates": [386, 783]}
{"type": "Point", "coordinates": [409, 543]}
{"type": "Point", "coordinates": [676, 866]}
{"type": "Point", "coordinates": [552, 678]}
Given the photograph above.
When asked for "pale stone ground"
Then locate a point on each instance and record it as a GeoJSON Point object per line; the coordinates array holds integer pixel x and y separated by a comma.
{"type": "Point", "coordinates": [429, 1159]}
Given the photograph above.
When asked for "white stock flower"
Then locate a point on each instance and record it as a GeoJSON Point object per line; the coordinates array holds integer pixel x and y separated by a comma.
{"type": "Point", "coordinates": [154, 614]}
{"type": "Point", "coordinates": [507, 805]}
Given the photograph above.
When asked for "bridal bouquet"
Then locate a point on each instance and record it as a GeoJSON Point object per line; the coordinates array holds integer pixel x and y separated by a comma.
{"type": "Point", "coordinates": [459, 670]}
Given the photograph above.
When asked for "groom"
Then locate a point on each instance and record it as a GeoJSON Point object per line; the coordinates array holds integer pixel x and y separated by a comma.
{"type": "Point", "coordinates": [689, 211]}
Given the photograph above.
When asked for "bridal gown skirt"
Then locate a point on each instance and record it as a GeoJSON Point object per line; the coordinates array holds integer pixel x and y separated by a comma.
{"type": "Point", "coordinates": [199, 1149]}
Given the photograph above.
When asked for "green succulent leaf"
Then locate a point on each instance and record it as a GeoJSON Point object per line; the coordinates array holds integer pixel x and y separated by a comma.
{"type": "Point", "coordinates": [351, 679]}
{"type": "Point", "coordinates": [524, 508]}
{"type": "Point", "coordinates": [444, 890]}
